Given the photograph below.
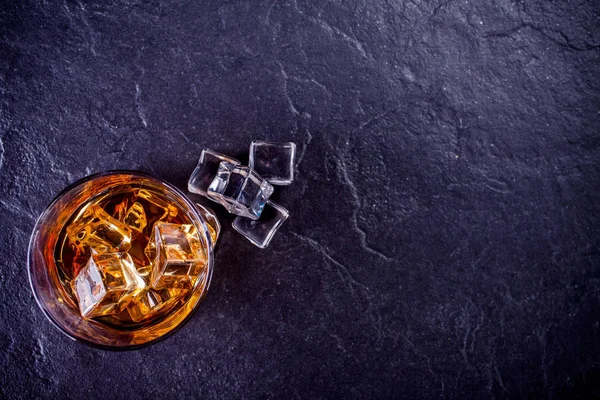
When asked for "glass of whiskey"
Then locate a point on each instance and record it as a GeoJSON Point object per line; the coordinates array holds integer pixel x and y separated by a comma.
{"type": "Point", "coordinates": [121, 259]}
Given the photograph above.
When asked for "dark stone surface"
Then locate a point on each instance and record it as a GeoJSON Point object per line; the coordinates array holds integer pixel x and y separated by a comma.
{"type": "Point", "coordinates": [444, 232]}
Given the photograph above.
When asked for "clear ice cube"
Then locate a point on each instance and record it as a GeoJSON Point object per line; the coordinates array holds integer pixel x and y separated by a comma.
{"type": "Point", "coordinates": [206, 170]}
{"type": "Point", "coordinates": [260, 232]}
{"type": "Point", "coordinates": [274, 161]}
{"type": "Point", "coordinates": [150, 302]}
{"type": "Point", "coordinates": [93, 227]}
{"type": "Point", "coordinates": [240, 190]}
{"type": "Point", "coordinates": [106, 284]}
{"type": "Point", "coordinates": [177, 255]}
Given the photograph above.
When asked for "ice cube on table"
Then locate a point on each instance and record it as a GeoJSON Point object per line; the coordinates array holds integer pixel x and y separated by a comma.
{"type": "Point", "coordinates": [135, 217]}
{"type": "Point", "coordinates": [214, 227]}
{"type": "Point", "coordinates": [106, 284]}
{"type": "Point", "coordinates": [95, 228]}
{"type": "Point", "coordinates": [178, 257]}
{"type": "Point", "coordinates": [205, 171]}
{"type": "Point", "coordinates": [150, 302]}
{"type": "Point", "coordinates": [240, 190]}
{"type": "Point", "coordinates": [260, 232]}
{"type": "Point", "coordinates": [274, 161]}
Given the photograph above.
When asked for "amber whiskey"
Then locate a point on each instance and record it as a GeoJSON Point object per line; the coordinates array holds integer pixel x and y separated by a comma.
{"type": "Point", "coordinates": [128, 257]}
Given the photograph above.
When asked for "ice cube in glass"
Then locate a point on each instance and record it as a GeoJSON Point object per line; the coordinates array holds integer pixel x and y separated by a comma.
{"type": "Point", "coordinates": [135, 217]}
{"type": "Point", "coordinates": [93, 227]}
{"type": "Point", "coordinates": [177, 255]}
{"type": "Point", "coordinates": [106, 284]}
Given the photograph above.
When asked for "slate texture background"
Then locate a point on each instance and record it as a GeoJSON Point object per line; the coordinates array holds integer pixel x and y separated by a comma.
{"type": "Point", "coordinates": [444, 238]}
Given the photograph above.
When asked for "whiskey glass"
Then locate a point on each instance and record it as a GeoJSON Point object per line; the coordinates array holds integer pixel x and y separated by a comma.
{"type": "Point", "coordinates": [51, 279]}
